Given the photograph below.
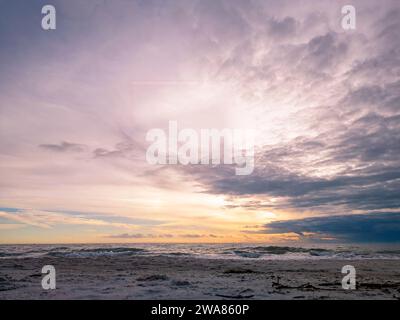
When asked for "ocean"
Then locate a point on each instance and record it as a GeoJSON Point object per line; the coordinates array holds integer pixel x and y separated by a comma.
{"type": "Point", "coordinates": [205, 251]}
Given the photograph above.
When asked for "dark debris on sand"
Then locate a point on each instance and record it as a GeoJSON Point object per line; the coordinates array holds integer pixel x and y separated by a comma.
{"type": "Point", "coordinates": [154, 277]}
{"type": "Point", "coordinates": [239, 271]}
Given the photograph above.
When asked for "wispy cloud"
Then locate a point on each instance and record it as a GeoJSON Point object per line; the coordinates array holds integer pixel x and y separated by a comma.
{"type": "Point", "coordinates": [140, 236]}
{"type": "Point", "coordinates": [160, 236]}
{"type": "Point", "coordinates": [11, 226]}
{"type": "Point", "coordinates": [64, 147]}
{"type": "Point", "coordinates": [49, 219]}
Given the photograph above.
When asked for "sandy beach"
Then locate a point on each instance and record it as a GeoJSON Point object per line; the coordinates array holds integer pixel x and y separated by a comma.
{"type": "Point", "coordinates": [163, 277]}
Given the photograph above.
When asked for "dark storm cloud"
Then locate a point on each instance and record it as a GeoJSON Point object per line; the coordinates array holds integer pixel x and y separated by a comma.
{"type": "Point", "coordinates": [374, 190]}
{"type": "Point", "coordinates": [372, 227]}
{"type": "Point", "coordinates": [370, 148]}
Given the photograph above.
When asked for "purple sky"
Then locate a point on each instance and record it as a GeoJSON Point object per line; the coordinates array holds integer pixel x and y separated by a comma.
{"type": "Point", "coordinates": [76, 103]}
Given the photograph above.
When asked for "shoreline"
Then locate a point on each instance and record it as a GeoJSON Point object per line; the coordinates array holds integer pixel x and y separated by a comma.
{"type": "Point", "coordinates": [188, 278]}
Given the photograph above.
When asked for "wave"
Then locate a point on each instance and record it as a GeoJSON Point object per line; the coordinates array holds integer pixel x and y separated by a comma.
{"type": "Point", "coordinates": [93, 252]}
{"type": "Point", "coordinates": [247, 254]}
{"type": "Point", "coordinates": [207, 251]}
{"type": "Point", "coordinates": [29, 252]}
{"type": "Point", "coordinates": [257, 252]}
{"type": "Point", "coordinates": [8, 254]}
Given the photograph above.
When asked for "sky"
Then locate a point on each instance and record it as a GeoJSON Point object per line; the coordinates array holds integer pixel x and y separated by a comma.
{"type": "Point", "coordinates": [76, 104]}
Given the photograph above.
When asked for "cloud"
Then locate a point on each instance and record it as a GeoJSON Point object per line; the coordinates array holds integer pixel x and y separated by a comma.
{"type": "Point", "coordinates": [11, 226]}
{"type": "Point", "coordinates": [50, 219]}
{"type": "Point", "coordinates": [371, 227]}
{"type": "Point", "coordinates": [109, 217]}
{"type": "Point", "coordinates": [158, 236]}
{"type": "Point", "coordinates": [345, 154]}
{"type": "Point", "coordinates": [339, 150]}
{"type": "Point", "coordinates": [128, 148]}
{"type": "Point", "coordinates": [190, 235]}
{"type": "Point", "coordinates": [139, 236]}
{"type": "Point", "coordinates": [371, 188]}
{"type": "Point", "coordinates": [283, 28]}
{"type": "Point", "coordinates": [64, 147]}
{"type": "Point", "coordinates": [195, 235]}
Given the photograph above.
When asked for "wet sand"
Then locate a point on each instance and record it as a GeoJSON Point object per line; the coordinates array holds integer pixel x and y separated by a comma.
{"type": "Point", "coordinates": [161, 277]}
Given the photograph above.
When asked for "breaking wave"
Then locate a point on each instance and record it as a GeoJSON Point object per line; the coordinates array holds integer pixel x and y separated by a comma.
{"type": "Point", "coordinates": [207, 251]}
